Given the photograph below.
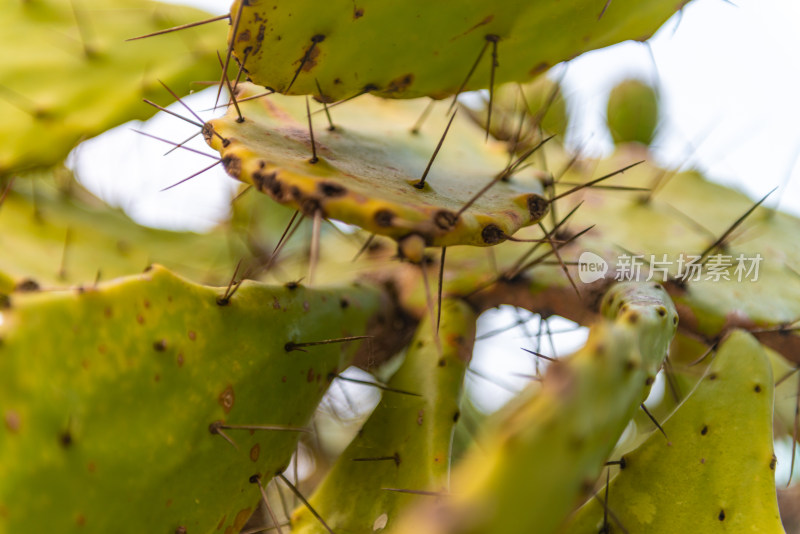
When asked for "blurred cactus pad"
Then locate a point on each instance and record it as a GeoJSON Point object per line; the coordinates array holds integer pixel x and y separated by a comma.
{"type": "Point", "coordinates": [306, 365]}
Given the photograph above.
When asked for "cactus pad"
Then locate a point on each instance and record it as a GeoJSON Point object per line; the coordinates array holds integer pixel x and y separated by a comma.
{"type": "Point", "coordinates": [71, 76]}
{"type": "Point", "coordinates": [368, 165]}
{"type": "Point", "coordinates": [62, 238]}
{"type": "Point", "coordinates": [413, 48]}
{"type": "Point", "coordinates": [405, 444]}
{"type": "Point", "coordinates": [632, 112]}
{"type": "Point", "coordinates": [108, 428]}
{"type": "Point", "coordinates": [563, 430]}
{"type": "Point", "coordinates": [717, 471]}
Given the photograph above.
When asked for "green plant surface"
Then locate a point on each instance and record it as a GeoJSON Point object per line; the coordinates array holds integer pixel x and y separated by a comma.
{"type": "Point", "coordinates": [523, 113]}
{"type": "Point", "coordinates": [71, 75]}
{"type": "Point", "coordinates": [405, 444]}
{"type": "Point", "coordinates": [632, 112]}
{"type": "Point", "coordinates": [368, 166]}
{"type": "Point", "coordinates": [685, 215]}
{"type": "Point", "coordinates": [342, 48]}
{"type": "Point", "coordinates": [107, 396]}
{"type": "Point", "coordinates": [564, 429]}
{"type": "Point", "coordinates": [58, 236]}
{"type": "Point", "coordinates": [716, 470]}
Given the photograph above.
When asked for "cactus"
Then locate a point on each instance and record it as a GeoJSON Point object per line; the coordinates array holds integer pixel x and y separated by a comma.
{"type": "Point", "coordinates": [405, 444]}
{"type": "Point", "coordinates": [368, 170]}
{"type": "Point", "coordinates": [130, 419]}
{"type": "Point", "coordinates": [75, 78]}
{"type": "Point", "coordinates": [416, 49]}
{"type": "Point", "coordinates": [564, 429]}
{"type": "Point", "coordinates": [149, 403]}
{"type": "Point", "coordinates": [632, 112]}
{"type": "Point", "coordinates": [715, 472]}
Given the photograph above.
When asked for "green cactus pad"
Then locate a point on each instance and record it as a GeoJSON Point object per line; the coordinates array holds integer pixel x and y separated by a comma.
{"type": "Point", "coordinates": [405, 444]}
{"type": "Point", "coordinates": [414, 48]}
{"type": "Point", "coordinates": [632, 112]}
{"type": "Point", "coordinates": [369, 164]}
{"type": "Point", "coordinates": [684, 216]}
{"type": "Point", "coordinates": [56, 238]}
{"type": "Point", "coordinates": [717, 471]}
{"type": "Point", "coordinates": [534, 466]}
{"type": "Point", "coordinates": [72, 76]}
{"type": "Point", "coordinates": [107, 397]}
{"type": "Point", "coordinates": [539, 104]}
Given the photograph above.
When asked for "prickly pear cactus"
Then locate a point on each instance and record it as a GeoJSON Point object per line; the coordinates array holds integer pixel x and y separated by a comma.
{"type": "Point", "coordinates": [120, 403]}
{"type": "Point", "coordinates": [56, 237]}
{"type": "Point", "coordinates": [632, 112]}
{"type": "Point", "coordinates": [562, 430]}
{"type": "Point", "coordinates": [715, 471]}
{"type": "Point", "coordinates": [404, 447]}
{"type": "Point", "coordinates": [342, 48]}
{"type": "Point", "coordinates": [75, 77]}
{"type": "Point", "coordinates": [367, 170]}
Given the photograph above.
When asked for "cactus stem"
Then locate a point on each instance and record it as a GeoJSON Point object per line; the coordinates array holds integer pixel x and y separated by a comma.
{"type": "Point", "coordinates": [378, 385]}
{"type": "Point", "coordinates": [492, 39]}
{"type": "Point", "coordinates": [198, 173]}
{"type": "Point", "coordinates": [322, 98]}
{"type": "Point", "coordinates": [291, 346]}
{"type": "Point", "coordinates": [421, 183]}
{"type": "Point", "coordinates": [469, 75]}
{"type": "Point", "coordinates": [181, 27]}
{"type": "Point", "coordinates": [653, 419]}
{"type": "Point", "coordinates": [311, 133]}
{"type": "Point", "coordinates": [596, 180]}
{"type": "Point", "coordinates": [721, 240]}
{"type": "Point", "coordinates": [421, 120]}
{"type": "Point", "coordinates": [305, 502]}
